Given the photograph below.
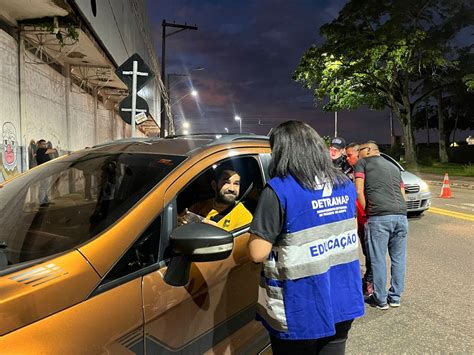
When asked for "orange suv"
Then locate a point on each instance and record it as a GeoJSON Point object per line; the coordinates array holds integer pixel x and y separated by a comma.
{"type": "Point", "coordinates": [102, 266]}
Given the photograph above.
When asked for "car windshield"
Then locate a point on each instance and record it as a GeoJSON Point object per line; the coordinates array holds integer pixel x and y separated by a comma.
{"type": "Point", "coordinates": [59, 205]}
{"type": "Point", "coordinates": [393, 161]}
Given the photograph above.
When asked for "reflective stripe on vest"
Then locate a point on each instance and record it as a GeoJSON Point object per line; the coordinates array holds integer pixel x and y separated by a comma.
{"type": "Point", "coordinates": [317, 254]}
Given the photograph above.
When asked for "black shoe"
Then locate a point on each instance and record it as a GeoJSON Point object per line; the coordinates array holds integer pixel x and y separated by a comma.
{"type": "Point", "coordinates": [46, 204]}
{"type": "Point", "coordinates": [373, 303]}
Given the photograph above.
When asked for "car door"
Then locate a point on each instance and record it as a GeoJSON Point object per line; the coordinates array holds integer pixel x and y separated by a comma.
{"type": "Point", "coordinates": [76, 289]}
{"type": "Point", "coordinates": [221, 295]}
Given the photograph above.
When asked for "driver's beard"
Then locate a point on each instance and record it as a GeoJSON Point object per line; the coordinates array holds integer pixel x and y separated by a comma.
{"type": "Point", "coordinates": [225, 199]}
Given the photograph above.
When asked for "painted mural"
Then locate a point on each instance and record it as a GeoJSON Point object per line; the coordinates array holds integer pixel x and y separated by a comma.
{"type": "Point", "coordinates": [10, 152]}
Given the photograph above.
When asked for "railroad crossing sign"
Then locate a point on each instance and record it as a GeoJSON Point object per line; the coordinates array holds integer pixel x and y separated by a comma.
{"type": "Point", "coordinates": [125, 72]}
{"type": "Point", "coordinates": [125, 108]}
{"type": "Point", "coordinates": [134, 73]}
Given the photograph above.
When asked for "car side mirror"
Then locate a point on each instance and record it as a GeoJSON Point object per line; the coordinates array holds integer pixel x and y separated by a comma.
{"type": "Point", "coordinates": [195, 242]}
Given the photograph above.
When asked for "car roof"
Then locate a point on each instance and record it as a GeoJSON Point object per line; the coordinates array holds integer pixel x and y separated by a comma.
{"type": "Point", "coordinates": [185, 145]}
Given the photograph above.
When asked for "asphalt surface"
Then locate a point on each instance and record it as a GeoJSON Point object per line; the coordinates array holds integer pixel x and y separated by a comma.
{"type": "Point", "coordinates": [436, 315]}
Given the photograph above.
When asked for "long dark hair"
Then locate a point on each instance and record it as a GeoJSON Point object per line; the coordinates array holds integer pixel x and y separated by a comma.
{"type": "Point", "coordinates": [298, 150]}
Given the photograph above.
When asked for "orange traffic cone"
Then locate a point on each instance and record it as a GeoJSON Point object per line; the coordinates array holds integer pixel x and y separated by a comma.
{"type": "Point", "coordinates": [446, 189]}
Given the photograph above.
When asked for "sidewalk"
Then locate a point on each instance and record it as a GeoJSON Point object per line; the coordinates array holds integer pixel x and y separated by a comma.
{"type": "Point", "coordinates": [454, 181]}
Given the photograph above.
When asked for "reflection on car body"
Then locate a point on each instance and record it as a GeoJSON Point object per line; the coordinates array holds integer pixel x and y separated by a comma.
{"type": "Point", "coordinates": [104, 268]}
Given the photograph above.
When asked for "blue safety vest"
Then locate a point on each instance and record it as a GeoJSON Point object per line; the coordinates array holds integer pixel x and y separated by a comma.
{"type": "Point", "coordinates": [311, 279]}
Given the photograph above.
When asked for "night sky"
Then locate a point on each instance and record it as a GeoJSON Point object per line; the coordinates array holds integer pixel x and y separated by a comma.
{"type": "Point", "coordinates": [249, 51]}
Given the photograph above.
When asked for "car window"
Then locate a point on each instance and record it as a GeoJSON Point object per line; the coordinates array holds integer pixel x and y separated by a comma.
{"type": "Point", "coordinates": [225, 194]}
{"type": "Point", "coordinates": [62, 204]}
{"type": "Point", "coordinates": [393, 161]}
{"type": "Point", "coordinates": [142, 254]}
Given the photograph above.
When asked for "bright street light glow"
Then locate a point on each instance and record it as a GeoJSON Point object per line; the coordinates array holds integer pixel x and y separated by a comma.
{"type": "Point", "coordinates": [194, 93]}
{"type": "Point", "coordinates": [226, 130]}
{"type": "Point", "coordinates": [238, 118]}
{"type": "Point", "coordinates": [185, 132]}
{"type": "Point", "coordinates": [186, 125]}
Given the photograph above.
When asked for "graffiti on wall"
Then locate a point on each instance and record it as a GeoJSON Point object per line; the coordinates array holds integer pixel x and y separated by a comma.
{"type": "Point", "coordinates": [10, 152]}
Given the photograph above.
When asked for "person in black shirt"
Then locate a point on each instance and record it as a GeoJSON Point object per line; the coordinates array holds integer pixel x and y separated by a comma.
{"type": "Point", "coordinates": [297, 289]}
{"type": "Point", "coordinates": [42, 156]}
{"type": "Point", "coordinates": [380, 192]}
{"type": "Point", "coordinates": [42, 153]}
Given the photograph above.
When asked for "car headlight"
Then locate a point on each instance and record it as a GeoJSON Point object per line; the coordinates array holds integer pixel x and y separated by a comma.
{"type": "Point", "coordinates": [424, 187]}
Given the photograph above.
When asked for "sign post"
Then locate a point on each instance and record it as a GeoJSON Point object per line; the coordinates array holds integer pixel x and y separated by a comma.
{"type": "Point", "coordinates": [134, 96]}
{"type": "Point", "coordinates": [139, 74]}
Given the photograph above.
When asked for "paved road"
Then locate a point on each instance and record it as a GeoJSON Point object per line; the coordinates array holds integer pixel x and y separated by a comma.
{"type": "Point", "coordinates": [437, 307]}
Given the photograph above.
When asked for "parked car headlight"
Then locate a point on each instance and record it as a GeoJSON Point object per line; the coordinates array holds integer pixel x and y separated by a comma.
{"type": "Point", "coordinates": [424, 187]}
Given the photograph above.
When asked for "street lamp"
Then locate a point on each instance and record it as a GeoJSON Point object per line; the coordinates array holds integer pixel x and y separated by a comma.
{"type": "Point", "coordinates": [226, 130]}
{"type": "Point", "coordinates": [238, 118]}
{"type": "Point", "coordinates": [164, 35]}
{"type": "Point", "coordinates": [169, 86]}
{"type": "Point", "coordinates": [193, 93]}
{"type": "Point", "coordinates": [333, 65]}
{"type": "Point", "coordinates": [335, 117]}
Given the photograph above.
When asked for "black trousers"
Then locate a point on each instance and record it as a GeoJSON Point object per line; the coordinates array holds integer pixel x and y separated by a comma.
{"type": "Point", "coordinates": [333, 345]}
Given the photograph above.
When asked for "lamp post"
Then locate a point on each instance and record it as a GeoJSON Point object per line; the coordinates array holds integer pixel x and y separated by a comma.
{"type": "Point", "coordinates": [169, 86]}
{"type": "Point", "coordinates": [226, 130]}
{"type": "Point", "coordinates": [193, 93]}
{"type": "Point", "coordinates": [181, 75]}
{"type": "Point", "coordinates": [333, 65]}
{"type": "Point", "coordinates": [335, 117]}
{"type": "Point", "coordinates": [238, 118]}
{"type": "Point", "coordinates": [164, 35]}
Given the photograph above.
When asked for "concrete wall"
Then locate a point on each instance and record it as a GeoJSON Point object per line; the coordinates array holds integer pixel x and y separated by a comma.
{"type": "Point", "coordinates": [48, 108]}
{"type": "Point", "coordinates": [45, 105]}
{"type": "Point", "coordinates": [81, 119]}
{"type": "Point", "coordinates": [124, 34]}
{"type": "Point", "coordinates": [10, 128]}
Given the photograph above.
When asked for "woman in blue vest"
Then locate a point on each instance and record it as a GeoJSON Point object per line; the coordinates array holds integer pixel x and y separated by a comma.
{"type": "Point", "coordinates": [304, 232]}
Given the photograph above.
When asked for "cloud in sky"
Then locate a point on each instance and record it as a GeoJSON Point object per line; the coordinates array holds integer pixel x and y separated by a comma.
{"type": "Point", "coordinates": [249, 50]}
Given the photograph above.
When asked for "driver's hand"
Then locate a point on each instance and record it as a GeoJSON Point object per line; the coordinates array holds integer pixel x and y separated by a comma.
{"type": "Point", "coordinates": [182, 218]}
{"type": "Point", "coordinates": [208, 221]}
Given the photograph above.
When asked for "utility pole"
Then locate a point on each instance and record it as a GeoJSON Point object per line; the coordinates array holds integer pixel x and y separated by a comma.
{"type": "Point", "coordinates": [335, 113]}
{"type": "Point", "coordinates": [180, 28]}
{"type": "Point", "coordinates": [392, 136]}
{"type": "Point", "coordinates": [427, 130]}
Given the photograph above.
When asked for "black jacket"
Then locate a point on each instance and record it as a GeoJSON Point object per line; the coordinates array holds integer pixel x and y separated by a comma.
{"type": "Point", "coordinates": [342, 164]}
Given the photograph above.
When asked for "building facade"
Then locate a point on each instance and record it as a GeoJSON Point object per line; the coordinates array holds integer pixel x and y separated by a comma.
{"type": "Point", "coordinates": [57, 75]}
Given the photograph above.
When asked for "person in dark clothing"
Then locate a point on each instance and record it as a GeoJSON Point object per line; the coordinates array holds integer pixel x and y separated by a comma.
{"type": "Point", "coordinates": [42, 156]}
{"type": "Point", "coordinates": [305, 234]}
{"type": "Point", "coordinates": [337, 153]}
{"type": "Point", "coordinates": [380, 192]}
{"type": "Point", "coordinates": [42, 153]}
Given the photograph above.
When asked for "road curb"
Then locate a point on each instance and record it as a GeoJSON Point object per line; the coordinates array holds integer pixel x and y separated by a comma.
{"type": "Point", "coordinates": [460, 185]}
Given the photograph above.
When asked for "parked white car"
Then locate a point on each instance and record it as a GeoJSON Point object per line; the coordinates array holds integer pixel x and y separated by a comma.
{"type": "Point", "coordinates": [417, 191]}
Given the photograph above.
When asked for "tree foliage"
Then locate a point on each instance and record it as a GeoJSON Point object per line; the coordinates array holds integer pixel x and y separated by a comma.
{"type": "Point", "coordinates": [458, 111]}
{"type": "Point", "coordinates": [379, 53]}
{"type": "Point", "coordinates": [469, 81]}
